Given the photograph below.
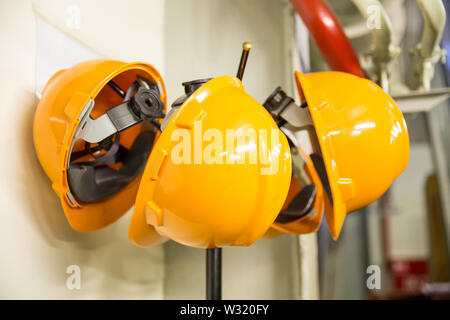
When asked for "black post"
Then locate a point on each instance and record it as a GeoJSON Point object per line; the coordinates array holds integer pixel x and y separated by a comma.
{"type": "Point", "coordinates": [214, 274]}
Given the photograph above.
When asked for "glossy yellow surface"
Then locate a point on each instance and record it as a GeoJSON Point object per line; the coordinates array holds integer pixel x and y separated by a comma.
{"type": "Point", "coordinates": [212, 205]}
{"type": "Point", "coordinates": [362, 135]}
{"type": "Point", "coordinates": [310, 222]}
{"type": "Point", "coordinates": [56, 118]}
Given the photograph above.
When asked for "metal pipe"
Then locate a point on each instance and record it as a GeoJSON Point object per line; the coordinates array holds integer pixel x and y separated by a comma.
{"type": "Point", "coordinates": [329, 35]}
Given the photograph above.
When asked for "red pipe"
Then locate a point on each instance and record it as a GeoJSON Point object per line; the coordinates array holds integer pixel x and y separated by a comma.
{"type": "Point", "coordinates": [328, 35]}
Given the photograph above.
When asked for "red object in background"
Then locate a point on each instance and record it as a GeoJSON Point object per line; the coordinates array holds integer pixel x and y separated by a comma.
{"type": "Point", "coordinates": [328, 35]}
{"type": "Point", "coordinates": [409, 276]}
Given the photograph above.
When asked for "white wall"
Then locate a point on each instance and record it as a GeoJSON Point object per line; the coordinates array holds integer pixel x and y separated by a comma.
{"type": "Point", "coordinates": [36, 242]}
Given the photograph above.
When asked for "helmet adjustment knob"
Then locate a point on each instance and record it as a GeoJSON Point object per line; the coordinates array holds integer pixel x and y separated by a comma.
{"type": "Point", "coordinates": [147, 104]}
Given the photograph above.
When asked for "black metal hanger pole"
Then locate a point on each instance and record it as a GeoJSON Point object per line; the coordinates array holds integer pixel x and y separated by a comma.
{"type": "Point", "coordinates": [214, 274]}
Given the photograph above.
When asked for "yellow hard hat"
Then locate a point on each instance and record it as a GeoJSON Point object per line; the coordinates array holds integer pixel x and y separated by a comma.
{"type": "Point", "coordinates": [362, 136]}
{"type": "Point", "coordinates": [213, 202]}
{"type": "Point", "coordinates": [76, 131]}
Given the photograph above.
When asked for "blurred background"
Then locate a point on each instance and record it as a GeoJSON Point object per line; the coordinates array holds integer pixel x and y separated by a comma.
{"type": "Point", "coordinates": [405, 233]}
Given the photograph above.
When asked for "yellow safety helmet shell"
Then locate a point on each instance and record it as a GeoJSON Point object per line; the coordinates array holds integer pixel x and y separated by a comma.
{"type": "Point", "coordinates": [213, 205]}
{"type": "Point", "coordinates": [57, 117]}
{"type": "Point", "coordinates": [310, 222]}
{"type": "Point", "coordinates": [362, 136]}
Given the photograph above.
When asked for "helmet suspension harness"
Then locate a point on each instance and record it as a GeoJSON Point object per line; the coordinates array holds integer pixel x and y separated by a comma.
{"type": "Point", "coordinates": [91, 179]}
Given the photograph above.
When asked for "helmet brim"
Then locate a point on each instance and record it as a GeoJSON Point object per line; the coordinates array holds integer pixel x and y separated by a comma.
{"type": "Point", "coordinates": [336, 208]}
